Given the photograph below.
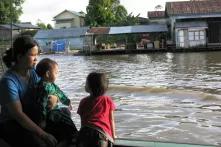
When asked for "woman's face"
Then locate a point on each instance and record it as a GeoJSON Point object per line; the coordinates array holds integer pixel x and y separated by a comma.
{"type": "Point", "coordinates": [29, 60]}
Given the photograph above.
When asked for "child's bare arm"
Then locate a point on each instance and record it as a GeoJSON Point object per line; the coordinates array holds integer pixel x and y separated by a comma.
{"type": "Point", "coordinates": [113, 123]}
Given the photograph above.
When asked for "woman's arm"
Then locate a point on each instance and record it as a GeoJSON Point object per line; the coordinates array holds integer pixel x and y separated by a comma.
{"type": "Point", "coordinates": [113, 124]}
{"type": "Point", "coordinates": [15, 110]}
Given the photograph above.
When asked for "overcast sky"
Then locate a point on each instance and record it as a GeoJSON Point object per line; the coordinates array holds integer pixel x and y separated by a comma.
{"type": "Point", "coordinates": [45, 10]}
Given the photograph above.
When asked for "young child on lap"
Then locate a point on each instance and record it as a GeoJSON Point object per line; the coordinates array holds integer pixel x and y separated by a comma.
{"type": "Point", "coordinates": [53, 114]}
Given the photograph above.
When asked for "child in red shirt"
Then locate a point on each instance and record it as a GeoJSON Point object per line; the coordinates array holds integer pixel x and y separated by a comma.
{"type": "Point", "coordinates": [96, 112]}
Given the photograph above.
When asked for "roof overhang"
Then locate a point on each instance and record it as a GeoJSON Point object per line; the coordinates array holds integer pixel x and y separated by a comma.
{"type": "Point", "coordinates": [152, 28]}
{"type": "Point", "coordinates": [198, 24]}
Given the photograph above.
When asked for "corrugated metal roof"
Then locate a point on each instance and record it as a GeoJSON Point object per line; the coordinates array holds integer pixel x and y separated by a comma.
{"type": "Point", "coordinates": [18, 26]}
{"type": "Point", "coordinates": [99, 30]}
{"type": "Point", "coordinates": [76, 32]}
{"type": "Point", "coordinates": [150, 28]}
{"type": "Point", "coordinates": [199, 24]}
{"type": "Point", "coordinates": [120, 30]}
{"type": "Point", "coordinates": [193, 7]}
{"type": "Point", "coordinates": [139, 29]}
{"type": "Point", "coordinates": [26, 25]}
{"type": "Point", "coordinates": [8, 27]}
{"type": "Point", "coordinates": [61, 33]}
{"type": "Point", "coordinates": [156, 14]}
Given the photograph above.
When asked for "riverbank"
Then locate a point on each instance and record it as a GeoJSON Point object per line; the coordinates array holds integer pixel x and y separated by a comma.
{"type": "Point", "coordinates": [145, 51]}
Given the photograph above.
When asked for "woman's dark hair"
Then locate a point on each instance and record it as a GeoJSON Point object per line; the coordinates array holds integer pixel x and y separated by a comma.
{"type": "Point", "coordinates": [97, 83]}
{"type": "Point", "coordinates": [44, 65]}
{"type": "Point", "coordinates": [21, 45]}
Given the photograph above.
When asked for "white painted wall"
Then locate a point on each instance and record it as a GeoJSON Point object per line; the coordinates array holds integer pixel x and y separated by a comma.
{"type": "Point", "coordinates": [68, 20]}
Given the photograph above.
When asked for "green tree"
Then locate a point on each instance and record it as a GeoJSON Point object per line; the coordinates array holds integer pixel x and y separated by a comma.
{"type": "Point", "coordinates": [131, 20]}
{"type": "Point", "coordinates": [104, 13]}
{"type": "Point", "coordinates": [42, 25]}
{"type": "Point", "coordinates": [10, 10]}
{"type": "Point", "coordinates": [120, 15]}
{"type": "Point", "coordinates": [29, 32]}
{"type": "Point", "coordinates": [49, 26]}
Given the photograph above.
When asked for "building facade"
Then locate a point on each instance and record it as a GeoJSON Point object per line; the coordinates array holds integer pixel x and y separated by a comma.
{"type": "Point", "coordinates": [69, 19]}
{"type": "Point", "coordinates": [194, 23]}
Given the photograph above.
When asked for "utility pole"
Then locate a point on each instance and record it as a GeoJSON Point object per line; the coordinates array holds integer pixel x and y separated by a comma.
{"type": "Point", "coordinates": [11, 18]}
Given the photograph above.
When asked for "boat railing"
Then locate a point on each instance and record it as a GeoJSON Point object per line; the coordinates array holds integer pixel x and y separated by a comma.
{"type": "Point", "coordinates": [125, 142]}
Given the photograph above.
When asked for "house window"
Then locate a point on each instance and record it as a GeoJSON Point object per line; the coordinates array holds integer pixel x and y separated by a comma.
{"type": "Point", "coordinates": [181, 38]}
{"type": "Point", "coordinates": [191, 35]}
{"type": "Point", "coordinates": [202, 35]}
{"type": "Point", "coordinates": [196, 37]}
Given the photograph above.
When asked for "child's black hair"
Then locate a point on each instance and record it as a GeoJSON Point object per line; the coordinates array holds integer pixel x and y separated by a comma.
{"type": "Point", "coordinates": [44, 65]}
{"type": "Point", "coordinates": [97, 83]}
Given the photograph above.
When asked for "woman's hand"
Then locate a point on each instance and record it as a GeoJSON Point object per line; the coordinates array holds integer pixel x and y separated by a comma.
{"type": "Point", "coordinates": [15, 110]}
{"type": "Point", "coordinates": [52, 101]}
{"type": "Point", "coordinates": [49, 139]}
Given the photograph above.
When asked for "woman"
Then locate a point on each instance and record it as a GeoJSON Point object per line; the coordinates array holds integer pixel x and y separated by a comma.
{"type": "Point", "coordinates": [16, 128]}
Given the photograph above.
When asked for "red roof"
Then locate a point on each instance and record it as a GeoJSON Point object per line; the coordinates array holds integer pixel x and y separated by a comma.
{"type": "Point", "coordinates": [193, 7]}
{"type": "Point", "coordinates": [99, 30]}
{"type": "Point", "coordinates": [156, 14]}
